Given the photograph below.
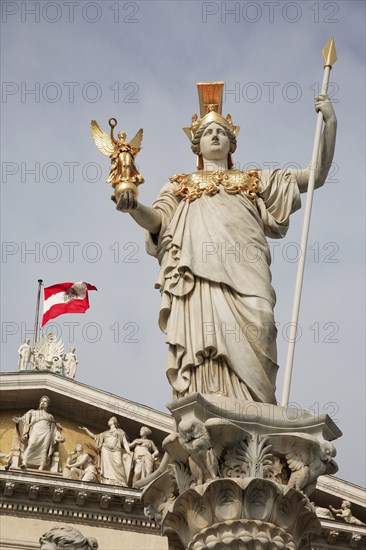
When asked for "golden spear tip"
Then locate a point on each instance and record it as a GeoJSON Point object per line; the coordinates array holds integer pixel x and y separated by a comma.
{"type": "Point", "coordinates": [329, 53]}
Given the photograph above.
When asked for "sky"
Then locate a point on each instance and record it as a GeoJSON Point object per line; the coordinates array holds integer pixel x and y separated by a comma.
{"type": "Point", "coordinates": [66, 63]}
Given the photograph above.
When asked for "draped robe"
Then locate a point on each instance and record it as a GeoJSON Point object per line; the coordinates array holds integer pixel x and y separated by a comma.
{"type": "Point", "coordinates": [111, 446]}
{"type": "Point", "coordinates": [217, 300]}
{"type": "Point", "coordinates": [41, 430]}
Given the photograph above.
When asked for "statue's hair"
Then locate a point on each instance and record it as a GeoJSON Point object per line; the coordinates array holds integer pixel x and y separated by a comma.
{"type": "Point", "coordinates": [197, 138]}
{"type": "Point", "coordinates": [146, 430]}
{"type": "Point", "coordinates": [48, 399]}
{"type": "Point", "coordinates": [68, 538]}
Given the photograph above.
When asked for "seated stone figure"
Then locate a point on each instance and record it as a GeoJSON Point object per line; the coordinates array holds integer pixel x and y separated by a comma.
{"type": "Point", "coordinates": [80, 465]}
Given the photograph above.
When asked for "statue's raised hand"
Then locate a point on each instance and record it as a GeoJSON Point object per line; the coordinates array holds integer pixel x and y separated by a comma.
{"type": "Point", "coordinates": [323, 104]}
{"type": "Point", "coordinates": [127, 201]}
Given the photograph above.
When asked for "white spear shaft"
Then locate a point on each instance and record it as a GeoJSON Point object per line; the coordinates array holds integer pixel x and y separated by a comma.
{"type": "Point", "coordinates": [330, 57]}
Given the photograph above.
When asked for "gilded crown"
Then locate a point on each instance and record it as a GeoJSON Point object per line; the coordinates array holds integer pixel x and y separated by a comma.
{"type": "Point", "coordinates": [210, 101]}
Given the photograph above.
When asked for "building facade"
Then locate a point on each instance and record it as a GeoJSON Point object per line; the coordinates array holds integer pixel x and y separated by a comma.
{"type": "Point", "coordinates": [90, 499]}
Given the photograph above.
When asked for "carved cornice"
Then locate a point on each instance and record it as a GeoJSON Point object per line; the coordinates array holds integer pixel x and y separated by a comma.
{"type": "Point", "coordinates": [339, 535]}
{"type": "Point", "coordinates": [25, 494]}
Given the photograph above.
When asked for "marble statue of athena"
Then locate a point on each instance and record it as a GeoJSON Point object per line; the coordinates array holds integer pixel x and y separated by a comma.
{"type": "Point", "coordinates": [208, 231]}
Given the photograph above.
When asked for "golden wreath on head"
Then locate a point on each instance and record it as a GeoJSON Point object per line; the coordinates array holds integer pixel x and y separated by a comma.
{"type": "Point", "coordinates": [210, 101]}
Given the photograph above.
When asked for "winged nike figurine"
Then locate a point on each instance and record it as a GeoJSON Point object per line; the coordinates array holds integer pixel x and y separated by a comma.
{"type": "Point", "coordinates": [123, 174]}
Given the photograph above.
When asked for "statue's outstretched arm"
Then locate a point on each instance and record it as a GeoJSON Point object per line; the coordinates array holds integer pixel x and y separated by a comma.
{"type": "Point", "coordinates": [327, 145]}
{"type": "Point", "coordinates": [147, 217]}
{"type": "Point", "coordinates": [88, 432]}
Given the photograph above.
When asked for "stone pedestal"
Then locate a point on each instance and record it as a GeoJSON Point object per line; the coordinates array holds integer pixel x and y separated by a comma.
{"type": "Point", "coordinates": [236, 475]}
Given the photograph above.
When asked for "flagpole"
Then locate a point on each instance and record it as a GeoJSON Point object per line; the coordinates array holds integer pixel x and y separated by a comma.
{"type": "Point", "coordinates": [330, 57]}
{"type": "Point", "coordinates": [36, 322]}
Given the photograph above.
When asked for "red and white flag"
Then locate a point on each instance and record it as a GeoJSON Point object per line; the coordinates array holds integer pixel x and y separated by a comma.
{"type": "Point", "coordinates": [65, 298]}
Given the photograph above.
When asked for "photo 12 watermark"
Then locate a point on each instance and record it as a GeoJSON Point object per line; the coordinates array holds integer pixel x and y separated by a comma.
{"type": "Point", "coordinates": [90, 252]}
{"type": "Point", "coordinates": [254, 332]}
{"type": "Point", "coordinates": [69, 92]}
{"type": "Point", "coordinates": [275, 91]}
{"type": "Point", "coordinates": [290, 252]}
{"type": "Point", "coordinates": [29, 12]}
{"type": "Point", "coordinates": [90, 332]}
{"type": "Point", "coordinates": [270, 12]}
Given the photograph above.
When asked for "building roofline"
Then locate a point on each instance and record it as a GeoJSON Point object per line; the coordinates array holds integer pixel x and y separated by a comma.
{"type": "Point", "coordinates": [14, 382]}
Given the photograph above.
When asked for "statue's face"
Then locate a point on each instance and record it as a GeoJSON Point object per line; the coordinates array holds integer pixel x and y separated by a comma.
{"type": "Point", "coordinates": [43, 404]}
{"type": "Point", "coordinates": [112, 421]}
{"type": "Point", "coordinates": [214, 143]}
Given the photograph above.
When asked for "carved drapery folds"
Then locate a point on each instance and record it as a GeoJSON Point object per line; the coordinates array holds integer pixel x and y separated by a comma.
{"type": "Point", "coordinates": [238, 482]}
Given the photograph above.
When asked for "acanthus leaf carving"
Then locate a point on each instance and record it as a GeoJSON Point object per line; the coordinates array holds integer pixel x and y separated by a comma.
{"type": "Point", "coordinates": [249, 458]}
{"type": "Point", "coordinates": [182, 475]}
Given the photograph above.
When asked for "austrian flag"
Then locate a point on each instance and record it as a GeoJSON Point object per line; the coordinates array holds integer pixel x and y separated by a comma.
{"type": "Point", "coordinates": [65, 298]}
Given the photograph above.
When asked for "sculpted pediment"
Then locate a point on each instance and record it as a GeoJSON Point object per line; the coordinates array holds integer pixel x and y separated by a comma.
{"type": "Point", "coordinates": [56, 426]}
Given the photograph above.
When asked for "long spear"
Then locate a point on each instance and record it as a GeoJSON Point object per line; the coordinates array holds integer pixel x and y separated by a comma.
{"type": "Point", "coordinates": [330, 57]}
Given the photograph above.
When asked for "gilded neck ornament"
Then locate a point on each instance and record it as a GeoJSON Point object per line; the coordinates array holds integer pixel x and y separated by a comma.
{"type": "Point", "coordinates": [190, 187]}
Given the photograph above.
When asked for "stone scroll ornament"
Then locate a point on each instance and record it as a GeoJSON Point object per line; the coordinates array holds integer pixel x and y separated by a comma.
{"type": "Point", "coordinates": [123, 174]}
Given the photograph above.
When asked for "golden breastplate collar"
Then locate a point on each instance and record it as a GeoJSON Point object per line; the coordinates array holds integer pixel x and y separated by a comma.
{"type": "Point", "coordinates": [192, 186]}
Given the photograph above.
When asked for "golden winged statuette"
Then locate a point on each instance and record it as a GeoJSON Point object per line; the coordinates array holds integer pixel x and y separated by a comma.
{"type": "Point", "coordinates": [123, 174]}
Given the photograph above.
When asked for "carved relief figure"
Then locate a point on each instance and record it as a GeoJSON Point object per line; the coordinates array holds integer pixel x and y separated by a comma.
{"type": "Point", "coordinates": [70, 362]}
{"type": "Point", "coordinates": [40, 433]}
{"type": "Point", "coordinates": [307, 458]}
{"type": "Point", "coordinates": [5, 457]}
{"type": "Point", "coordinates": [65, 536]}
{"type": "Point", "coordinates": [25, 352]}
{"type": "Point", "coordinates": [345, 513]}
{"type": "Point", "coordinates": [193, 227]}
{"type": "Point", "coordinates": [203, 458]}
{"type": "Point", "coordinates": [80, 465]}
{"type": "Point", "coordinates": [113, 447]}
{"type": "Point", "coordinates": [144, 455]}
